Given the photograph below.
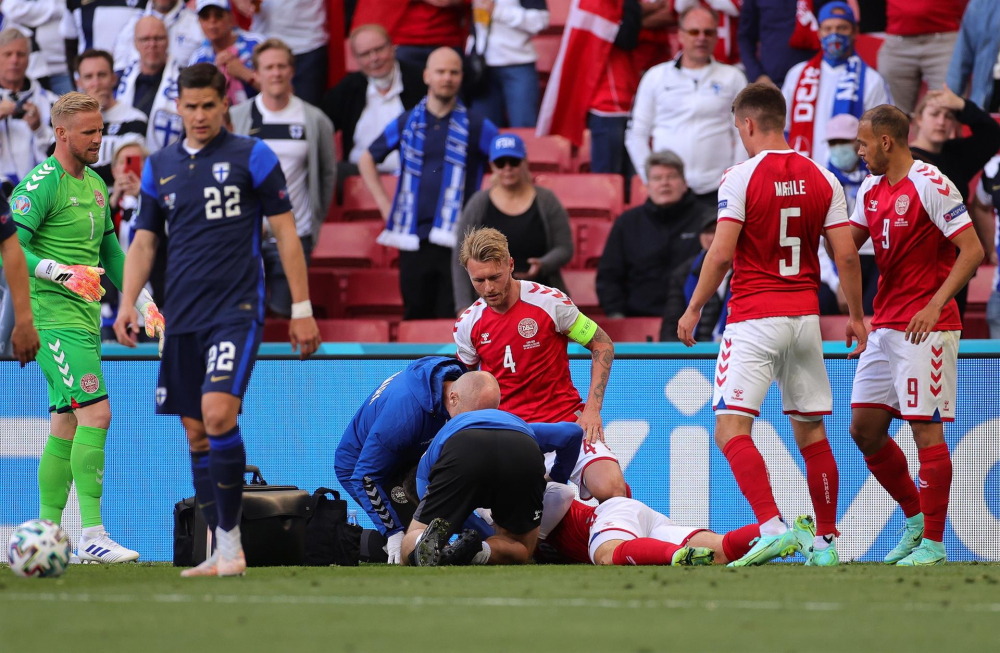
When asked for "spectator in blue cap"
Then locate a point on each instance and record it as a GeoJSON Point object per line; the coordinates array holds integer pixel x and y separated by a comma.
{"type": "Point", "coordinates": [833, 82]}
{"type": "Point", "coordinates": [532, 218]}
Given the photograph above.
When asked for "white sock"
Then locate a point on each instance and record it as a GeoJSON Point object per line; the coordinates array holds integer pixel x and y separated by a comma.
{"type": "Point", "coordinates": [773, 526]}
{"type": "Point", "coordinates": [483, 556]}
{"type": "Point", "coordinates": [92, 533]}
{"type": "Point", "coordinates": [821, 542]}
{"type": "Point", "coordinates": [228, 543]}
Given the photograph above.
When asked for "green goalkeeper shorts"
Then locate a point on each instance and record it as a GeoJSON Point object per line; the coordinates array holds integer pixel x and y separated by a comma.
{"type": "Point", "coordinates": [71, 362]}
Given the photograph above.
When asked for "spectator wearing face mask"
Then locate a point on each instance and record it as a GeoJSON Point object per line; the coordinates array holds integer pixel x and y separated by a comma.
{"type": "Point", "coordinates": [833, 82]}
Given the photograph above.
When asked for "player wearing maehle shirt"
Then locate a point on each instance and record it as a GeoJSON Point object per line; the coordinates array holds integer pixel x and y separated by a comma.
{"type": "Point", "coordinates": [773, 208]}
{"type": "Point", "coordinates": [915, 218]}
{"type": "Point", "coordinates": [518, 332]}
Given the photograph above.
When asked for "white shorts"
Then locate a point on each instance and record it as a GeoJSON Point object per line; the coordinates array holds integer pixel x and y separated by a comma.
{"type": "Point", "coordinates": [755, 353]}
{"type": "Point", "coordinates": [913, 382]}
{"type": "Point", "coordinates": [589, 453]}
{"type": "Point", "coordinates": [627, 519]}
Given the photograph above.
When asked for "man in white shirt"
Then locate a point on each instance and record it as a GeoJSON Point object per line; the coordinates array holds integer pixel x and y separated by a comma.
{"type": "Point", "coordinates": [150, 84]}
{"type": "Point", "coordinates": [835, 81]}
{"type": "Point", "coordinates": [40, 20]}
{"type": "Point", "coordinates": [123, 123]}
{"type": "Point", "coordinates": [685, 105]}
{"type": "Point", "coordinates": [302, 25]}
{"type": "Point", "coordinates": [95, 24]}
{"type": "Point", "coordinates": [182, 26]}
{"type": "Point", "coordinates": [302, 138]}
{"type": "Point", "coordinates": [364, 102]}
{"type": "Point", "coordinates": [25, 132]}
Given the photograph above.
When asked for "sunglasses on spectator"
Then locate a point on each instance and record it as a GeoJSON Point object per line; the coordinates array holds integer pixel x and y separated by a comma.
{"type": "Point", "coordinates": [701, 32]}
{"type": "Point", "coordinates": [505, 161]}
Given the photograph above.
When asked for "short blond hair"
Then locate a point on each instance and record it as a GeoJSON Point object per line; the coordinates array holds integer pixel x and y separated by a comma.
{"type": "Point", "coordinates": [484, 245]}
{"type": "Point", "coordinates": [71, 104]}
{"type": "Point", "coordinates": [271, 44]}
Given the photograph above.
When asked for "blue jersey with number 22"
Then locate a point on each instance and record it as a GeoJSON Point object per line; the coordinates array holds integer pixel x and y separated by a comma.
{"type": "Point", "coordinates": [210, 206]}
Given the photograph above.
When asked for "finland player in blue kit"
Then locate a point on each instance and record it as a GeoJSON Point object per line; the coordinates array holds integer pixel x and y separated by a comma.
{"type": "Point", "coordinates": [208, 195]}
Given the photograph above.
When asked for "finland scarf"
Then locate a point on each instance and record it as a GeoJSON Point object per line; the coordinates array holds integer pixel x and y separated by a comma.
{"type": "Point", "coordinates": [848, 98]}
{"type": "Point", "coordinates": [401, 227]}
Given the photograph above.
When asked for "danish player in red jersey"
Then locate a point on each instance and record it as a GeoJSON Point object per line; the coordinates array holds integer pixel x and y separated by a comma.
{"type": "Point", "coordinates": [624, 531]}
{"type": "Point", "coordinates": [916, 218]}
{"type": "Point", "coordinates": [772, 210]}
{"type": "Point", "coordinates": [518, 332]}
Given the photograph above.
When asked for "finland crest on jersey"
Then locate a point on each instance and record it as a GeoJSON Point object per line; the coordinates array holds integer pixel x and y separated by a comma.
{"type": "Point", "coordinates": [221, 171]}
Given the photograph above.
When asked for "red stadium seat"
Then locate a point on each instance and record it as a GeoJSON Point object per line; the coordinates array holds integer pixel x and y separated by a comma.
{"type": "Point", "coordinates": [582, 290]}
{"type": "Point", "coordinates": [426, 331]}
{"type": "Point", "coordinates": [373, 293]}
{"type": "Point", "coordinates": [586, 196]}
{"type": "Point", "coordinates": [867, 47]}
{"type": "Point", "coordinates": [589, 237]}
{"type": "Point", "coordinates": [638, 193]}
{"type": "Point", "coordinates": [547, 47]}
{"type": "Point", "coordinates": [632, 329]}
{"type": "Point", "coordinates": [349, 61]}
{"type": "Point", "coordinates": [981, 287]}
{"type": "Point", "coordinates": [326, 292]}
{"type": "Point", "coordinates": [334, 330]}
{"type": "Point", "coordinates": [545, 153]}
{"type": "Point", "coordinates": [581, 158]}
{"type": "Point", "coordinates": [558, 13]}
{"type": "Point", "coordinates": [358, 202]}
{"type": "Point", "coordinates": [832, 327]}
{"type": "Point", "coordinates": [349, 244]}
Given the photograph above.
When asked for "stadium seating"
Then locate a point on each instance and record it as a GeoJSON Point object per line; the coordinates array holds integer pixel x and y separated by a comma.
{"type": "Point", "coordinates": [358, 203]}
{"type": "Point", "coordinates": [867, 47]}
{"type": "Point", "coordinates": [558, 13]}
{"type": "Point", "coordinates": [373, 293]}
{"type": "Point", "coordinates": [334, 330]}
{"type": "Point", "coordinates": [545, 153]}
{"type": "Point", "coordinates": [580, 284]}
{"type": "Point", "coordinates": [638, 193]}
{"type": "Point", "coordinates": [349, 244]}
{"type": "Point", "coordinates": [547, 47]}
{"type": "Point", "coordinates": [586, 196]}
{"type": "Point", "coordinates": [581, 158]}
{"type": "Point", "coordinates": [589, 237]}
{"type": "Point", "coordinates": [981, 286]}
{"type": "Point", "coordinates": [632, 329]}
{"type": "Point", "coordinates": [426, 331]}
{"type": "Point", "coordinates": [326, 292]}
{"type": "Point", "coordinates": [833, 327]}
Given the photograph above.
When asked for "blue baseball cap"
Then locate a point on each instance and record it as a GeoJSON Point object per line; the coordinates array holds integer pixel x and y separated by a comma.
{"type": "Point", "coordinates": [507, 145]}
{"type": "Point", "coordinates": [837, 9]}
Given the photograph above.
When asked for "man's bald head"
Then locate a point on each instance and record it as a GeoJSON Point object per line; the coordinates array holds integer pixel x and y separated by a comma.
{"type": "Point", "coordinates": [443, 74]}
{"type": "Point", "coordinates": [473, 391]}
{"type": "Point", "coordinates": [151, 42]}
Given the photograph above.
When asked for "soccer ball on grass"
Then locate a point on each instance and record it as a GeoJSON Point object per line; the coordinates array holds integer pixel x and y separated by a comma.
{"type": "Point", "coordinates": [39, 549]}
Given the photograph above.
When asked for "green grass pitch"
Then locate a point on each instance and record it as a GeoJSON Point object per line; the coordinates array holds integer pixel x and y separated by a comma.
{"type": "Point", "coordinates": [852, 608]}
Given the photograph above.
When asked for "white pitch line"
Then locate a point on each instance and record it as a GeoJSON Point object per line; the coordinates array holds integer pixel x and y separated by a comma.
{"type": "Point", "coordinates": [490, 602]}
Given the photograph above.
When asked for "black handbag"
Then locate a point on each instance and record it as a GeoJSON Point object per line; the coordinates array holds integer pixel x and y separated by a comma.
{"type": "Point", "coordinates": [475, 71]}
{"type": "Point", "coordinates": [330, 540]}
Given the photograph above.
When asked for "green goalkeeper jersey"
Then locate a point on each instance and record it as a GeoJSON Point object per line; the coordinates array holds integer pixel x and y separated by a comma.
{"type": "Point", "coordinates": [67, 220]}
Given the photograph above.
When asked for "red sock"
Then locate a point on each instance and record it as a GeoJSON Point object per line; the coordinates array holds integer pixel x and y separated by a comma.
{"type": "Point", "coordinates": [736, 544]}
{"type": "Point", "coordinates": [823, 481]}
{"type": "Point", "coordinates": [888, 466]}
{"type": "Point", "coordinates": [644, 551]}
{"type": "Point", "coordinates": [751, 475]}
{"type": "Point", "coordinates": [935, 486]}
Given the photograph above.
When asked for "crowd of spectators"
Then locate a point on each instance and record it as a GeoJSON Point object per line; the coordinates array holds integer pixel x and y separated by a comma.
{"type": "Point", "coordinates": [443, 95]}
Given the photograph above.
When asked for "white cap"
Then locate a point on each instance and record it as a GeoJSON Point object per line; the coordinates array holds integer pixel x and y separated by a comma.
{"type": "Point", "coordinates": [842, 127]}
{"type": "Point", "coordinates": [221, 4]}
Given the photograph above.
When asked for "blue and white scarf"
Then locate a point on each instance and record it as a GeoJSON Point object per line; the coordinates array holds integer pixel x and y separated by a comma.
{"type": "Point", "coordinates": [401, 227]}
{"type": "Point", "coordinates": [849, 97]}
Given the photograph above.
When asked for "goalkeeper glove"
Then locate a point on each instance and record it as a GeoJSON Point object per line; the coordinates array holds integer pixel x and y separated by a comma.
{"type": "Point", "coordinates": [81, 280]}
{"type": "Point", "coordinates": [155, 324]}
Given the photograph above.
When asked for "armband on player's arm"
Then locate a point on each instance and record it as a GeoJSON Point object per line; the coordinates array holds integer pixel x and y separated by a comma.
{"type": "Point", "coordinates": [583, 330]}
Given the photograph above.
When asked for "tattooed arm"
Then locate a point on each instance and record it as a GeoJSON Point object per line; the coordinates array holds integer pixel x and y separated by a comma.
{"type": "Point", "coordinates": [602, 352]}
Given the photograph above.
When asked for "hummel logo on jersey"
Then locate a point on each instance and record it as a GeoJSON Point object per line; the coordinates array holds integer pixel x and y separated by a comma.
{"type": "Point", "coordinates": [486, 339]}
{"type": "Point", "coordinates": [873, 205]}
{"type": "Point", "coordinates": [221, 171]}
{"type": "Point", "coordinates": [164, 180]}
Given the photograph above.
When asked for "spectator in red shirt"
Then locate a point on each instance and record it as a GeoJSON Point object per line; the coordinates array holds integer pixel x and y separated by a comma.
{"type": "Point", "coordinates": [920, 37]}
{"type": "Point", "coordinates": [426, 25]}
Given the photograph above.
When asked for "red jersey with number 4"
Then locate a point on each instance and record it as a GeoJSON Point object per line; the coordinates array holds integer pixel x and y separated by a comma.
{"type": "Point", "coordinates": [569, 541]}
{"type": "Point", "coordinates": [525, 349]}
{"type": "Point", "coordinates": [911, 223]}
{"type": "Point", "coordinates": [784, 201]}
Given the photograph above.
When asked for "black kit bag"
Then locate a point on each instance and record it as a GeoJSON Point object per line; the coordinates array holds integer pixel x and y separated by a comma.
{"type": "Point", "coordinates": [273, 525]}
{"type": "Point", "coordinates": [330, 540]}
